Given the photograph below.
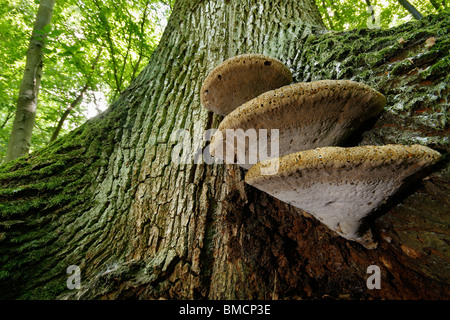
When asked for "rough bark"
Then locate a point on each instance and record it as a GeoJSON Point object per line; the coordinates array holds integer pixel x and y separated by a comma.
{"type": "Point", "coordinates": [108, 198]}
{"type": "Point", "coordinates": [24, 120]}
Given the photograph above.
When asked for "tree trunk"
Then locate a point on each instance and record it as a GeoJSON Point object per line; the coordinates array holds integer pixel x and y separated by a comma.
{"type": "Point", "coordinates": [20, 138]}
{"type": "Point", "coordinates": [108, 199]}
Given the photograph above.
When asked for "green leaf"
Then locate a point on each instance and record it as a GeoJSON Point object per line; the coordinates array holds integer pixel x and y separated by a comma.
{"type": "Point", "coordinates": [65, 54]}
{"type": "Point", "coordinates": [56, 33]}
{"type": "Point", "coordinates": [47, 28]}
{"type": "Point", "coordinates": [46, 50]}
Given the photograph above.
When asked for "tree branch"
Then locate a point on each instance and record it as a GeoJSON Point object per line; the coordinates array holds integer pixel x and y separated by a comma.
{"type": "Point", "coordinates": [8, 116]}
{"type": "Point", "coordinates": [110, 46]}
{"type": "Point", "coordinates": [408, 6]}
{"type": "Point", "coordinates": [75, 102]}
{"type": "Point", "coordinates": [141, 46]}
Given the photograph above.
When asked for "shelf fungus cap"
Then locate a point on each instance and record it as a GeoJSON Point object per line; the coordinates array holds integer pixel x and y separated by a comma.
{"type": "Point", "coordinates": [341, 186]}
{"type": "Point", "coordinates": [307, 115]}
{"type": "Point", "coordinates": [240, 79]}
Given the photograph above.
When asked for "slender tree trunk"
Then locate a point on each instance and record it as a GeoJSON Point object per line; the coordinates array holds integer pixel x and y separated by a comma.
{"type": "Point", "coordinates": [108, 199]}
{"type": "Point", "coordinates": [20, 138]}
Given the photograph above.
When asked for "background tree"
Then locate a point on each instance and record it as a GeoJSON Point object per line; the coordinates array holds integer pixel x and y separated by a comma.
{"type": "Point", "coordinates": [20, 138]}
{"type": "Point", "coordinates": [70, 89]}
{"type": "Point", "coordinates": [108, 198]}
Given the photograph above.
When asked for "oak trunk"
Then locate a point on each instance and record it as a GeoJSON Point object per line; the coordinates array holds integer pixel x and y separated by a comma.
{"type": "Point", "coordinates": [108, 199]}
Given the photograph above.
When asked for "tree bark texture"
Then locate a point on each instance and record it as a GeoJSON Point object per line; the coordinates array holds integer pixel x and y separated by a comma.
{"type": "Point", "coordinates": [24, 120]}
{"type": "Point", "coordinates": [108, 198]}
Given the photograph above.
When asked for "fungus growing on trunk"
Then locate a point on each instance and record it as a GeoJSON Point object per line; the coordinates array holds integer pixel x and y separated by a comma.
{"type": "Point", "coordinates": [240, 79]}
{"type": "Point", "coordinates": [308, 115]}
{"type": "Point", "coordinates": [341, 186]}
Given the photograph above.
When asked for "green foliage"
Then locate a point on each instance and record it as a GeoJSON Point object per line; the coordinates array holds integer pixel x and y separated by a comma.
{"type": "Point", "coordinates": [101, 45]}
{"type": "Point", "coordinates": [344, 15]}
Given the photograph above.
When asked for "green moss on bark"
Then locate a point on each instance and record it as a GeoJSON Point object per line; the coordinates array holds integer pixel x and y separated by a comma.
{"type": "Point", "coordinates": [409, 64]}
{"type": "Point", "coordinates": [40, 196]}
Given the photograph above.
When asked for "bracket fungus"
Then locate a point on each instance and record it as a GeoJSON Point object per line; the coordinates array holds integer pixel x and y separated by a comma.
{"type": "Point", "coordinates": [308, 115]}
{"type": "Point", "coordinates": [307, 169]}
{"type": "Point", "coordinates": [341, 186]}
{"type": "Point", "coordinates": [240, 79]}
